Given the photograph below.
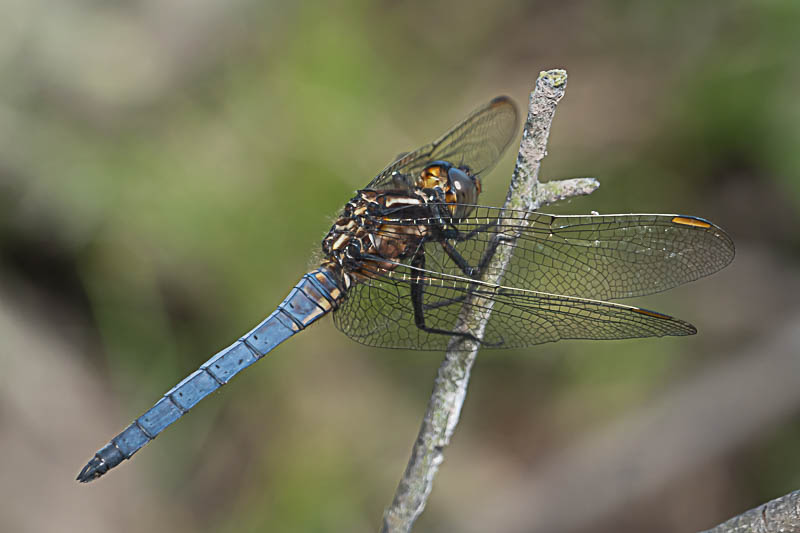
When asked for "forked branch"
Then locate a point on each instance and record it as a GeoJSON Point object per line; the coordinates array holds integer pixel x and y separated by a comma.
{"type": "Point", "coordinates": [450, 386]}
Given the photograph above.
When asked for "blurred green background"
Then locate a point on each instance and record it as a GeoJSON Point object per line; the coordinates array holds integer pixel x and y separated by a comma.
{"type": "Point", "coordinates": [168, 168]}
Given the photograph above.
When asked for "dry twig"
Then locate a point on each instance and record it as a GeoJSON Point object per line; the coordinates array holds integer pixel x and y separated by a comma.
{"type": "Point", "coordinates": [450, 387]}
{"type": "Point", "coordinates": [781, 515]}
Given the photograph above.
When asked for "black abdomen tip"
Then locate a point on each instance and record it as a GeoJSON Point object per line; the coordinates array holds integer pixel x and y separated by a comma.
{"type": "Point", "coordinates": [104, 460]}
{"type": "Point", "coordinates": [95, 468]}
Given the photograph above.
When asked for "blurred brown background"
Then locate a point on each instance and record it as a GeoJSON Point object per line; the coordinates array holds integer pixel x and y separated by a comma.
{"type": "Point", "coordinates": [168, 167]}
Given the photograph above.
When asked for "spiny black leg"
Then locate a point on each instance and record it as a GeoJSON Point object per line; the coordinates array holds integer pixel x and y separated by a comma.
{"type": "Point", "coordinates": [444, 303]}
{"type": "Point", "coordinates": [470, 271]}
{"type": "Point", "coordinates": [417, 293]}
{"type": "Point", "coordinates": [458, 259]}
{"type": "Point", "coordinates": [474, 272]}
{"type": "Point", "coordinates": [496, 241]}
{"type": "Point", "coordinates": [441, 218]}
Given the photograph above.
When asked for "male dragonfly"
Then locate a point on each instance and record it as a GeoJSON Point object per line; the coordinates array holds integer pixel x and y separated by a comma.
{"type": "Point", "coordinates": [412, 248]}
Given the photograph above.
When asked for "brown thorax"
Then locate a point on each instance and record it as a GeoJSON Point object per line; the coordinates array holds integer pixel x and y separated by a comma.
{"type": "Point", "coordinates": [366, 239]}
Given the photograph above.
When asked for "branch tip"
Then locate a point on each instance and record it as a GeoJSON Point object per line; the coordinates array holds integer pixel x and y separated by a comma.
{"type": "Point", "coordinates": [555, 78]}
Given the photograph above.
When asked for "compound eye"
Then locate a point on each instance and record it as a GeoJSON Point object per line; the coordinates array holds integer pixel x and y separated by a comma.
{"type": "Point", "coordinates": [463, 186]}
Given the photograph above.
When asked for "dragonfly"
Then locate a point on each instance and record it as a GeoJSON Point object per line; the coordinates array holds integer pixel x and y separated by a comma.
{"type": "Point", "coordinates": [413, 248]}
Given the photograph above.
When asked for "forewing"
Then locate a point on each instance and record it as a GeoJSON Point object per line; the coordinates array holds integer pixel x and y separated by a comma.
{"type": "Point", "coordinates": [597, 257]}
{"type": "Point", "coordinates": [476, 143]}
{"type": "Point", "coordinates": [379, 312]}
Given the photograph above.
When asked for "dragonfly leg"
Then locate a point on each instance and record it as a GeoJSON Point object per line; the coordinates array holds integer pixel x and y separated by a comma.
{"type": "Point", "coordinates": [444, 303]}
{"type": "Point", "coordinates": [474, 272]}
{"type": "Point", "coordinates": [458, 259]}
{"type": "Point", "coordinates": [417, 293]}
{"type": "Point", "coordinates": [488, 254]}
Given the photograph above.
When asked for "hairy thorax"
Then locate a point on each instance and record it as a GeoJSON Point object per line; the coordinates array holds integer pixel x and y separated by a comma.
{"type": "Point", "coordinates": [363, 241]}
{"type": "Point", "coordinates": [378, 229]}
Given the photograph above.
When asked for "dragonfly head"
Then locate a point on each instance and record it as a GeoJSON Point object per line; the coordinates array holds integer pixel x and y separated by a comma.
{"type": "Point", "coordinates": [466, 189]}
{"type": "Point", "coordinates": [458, 185]}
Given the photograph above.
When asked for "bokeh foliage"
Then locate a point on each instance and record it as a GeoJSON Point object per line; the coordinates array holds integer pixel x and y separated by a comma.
{"type": "Point", "coordinates": [167, 171]}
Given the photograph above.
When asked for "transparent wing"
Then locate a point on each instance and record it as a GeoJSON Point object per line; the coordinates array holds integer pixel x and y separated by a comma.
{"type": "Point", "coordinates": [380, 312]}
{"type": "Point", "coordinates": [476, 143]}
{"type": "Point", "coordinates": [598, 257]}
